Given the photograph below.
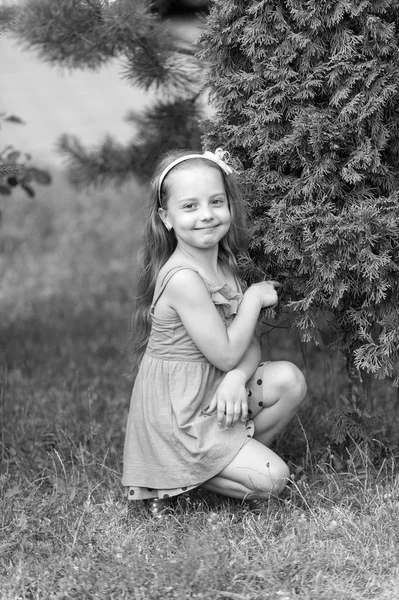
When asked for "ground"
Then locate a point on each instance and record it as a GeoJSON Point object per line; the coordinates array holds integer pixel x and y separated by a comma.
{"type": "Point", "coordinates": [67, 268]}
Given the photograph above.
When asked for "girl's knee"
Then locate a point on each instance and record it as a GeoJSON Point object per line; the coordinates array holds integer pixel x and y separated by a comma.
{"type": "Point", "coordinates": [291, 382]}
{"type": "Point", "coordinates": [280, 477]}
{"type": "Point", "coordinates": [277, 478]}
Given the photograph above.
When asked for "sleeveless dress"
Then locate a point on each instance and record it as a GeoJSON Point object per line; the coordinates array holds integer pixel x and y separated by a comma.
{"type": "Point", "coordinates": [170, 445]}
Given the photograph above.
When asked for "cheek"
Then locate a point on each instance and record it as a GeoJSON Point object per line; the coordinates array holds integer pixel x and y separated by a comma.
{"type": "Point", "coordinates": [227, 217]}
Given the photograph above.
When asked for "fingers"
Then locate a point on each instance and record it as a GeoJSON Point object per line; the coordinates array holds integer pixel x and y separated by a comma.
{"type": "Point", "coordinates": [225, 414]}
{"type": "Point", "coordinates": [211, 408]}
{"type": "Point", "coordinates": [232, 414]}
{"type": "Point", "coordinates": [229, 414]}
{"type": "Point", "coordinates": [275, 284]}
{"type": "Point", "coordinates": [222, 410]}
{"type": "Point", "coordinates": [244, 411]}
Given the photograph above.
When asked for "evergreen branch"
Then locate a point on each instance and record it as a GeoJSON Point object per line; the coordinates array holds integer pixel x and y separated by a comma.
{"type": "Point", "coordinates": [175, 74]}
{"type": "Point", "coordinates": [169, 124]}
{"type": "Point", "coordinates": [88, 33]}
{"type": "Point", "coordinates": [162, 127]}
{"type": "Point", "coordinates": [154, 55]}
{"type": "Point", "coordinates": [108, 163]}
{"type": "Point", "coordinates": [69, 33]}
{"type": "Point", "coordinates": [8, 19]}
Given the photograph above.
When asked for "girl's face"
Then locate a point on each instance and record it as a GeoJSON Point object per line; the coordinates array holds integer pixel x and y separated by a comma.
{"type": "Point", "coordinates": [197, 208]}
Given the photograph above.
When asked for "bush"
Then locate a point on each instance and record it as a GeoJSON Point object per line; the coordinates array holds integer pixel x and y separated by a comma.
{"type": "Point", "coordinates": [306, 96]}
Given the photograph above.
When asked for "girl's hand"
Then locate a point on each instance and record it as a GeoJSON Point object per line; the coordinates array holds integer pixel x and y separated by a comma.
{"type": "Point", "coordinates": [230, 400]}
{"type": "Point", "coordinates": [266, 292]}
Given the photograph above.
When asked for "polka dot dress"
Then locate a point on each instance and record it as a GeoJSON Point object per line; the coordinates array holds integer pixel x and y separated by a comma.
{"type": "Point", "coordinates": [255, 406]}
{"type": "Point", "coordinates": [171, 446]}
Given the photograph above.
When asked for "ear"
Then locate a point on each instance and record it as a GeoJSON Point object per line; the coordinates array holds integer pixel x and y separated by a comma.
{"type": "Point", "coordinates": [164, 218]}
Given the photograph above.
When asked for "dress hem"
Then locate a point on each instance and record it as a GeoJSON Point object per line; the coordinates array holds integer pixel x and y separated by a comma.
{"type": "Point", "coordinates": [147, 492]}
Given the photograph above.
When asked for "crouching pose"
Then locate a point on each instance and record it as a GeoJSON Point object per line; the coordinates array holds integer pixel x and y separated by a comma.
{"type": "Point", "coordinates": [203, 410]}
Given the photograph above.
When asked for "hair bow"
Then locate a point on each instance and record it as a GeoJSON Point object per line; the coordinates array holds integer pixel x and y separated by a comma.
{"type": "Point", "coordinates": [219, 157]}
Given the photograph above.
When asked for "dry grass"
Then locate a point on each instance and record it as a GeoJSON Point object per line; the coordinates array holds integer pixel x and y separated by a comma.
{"type": "Point", "coordinates": [67, 268]}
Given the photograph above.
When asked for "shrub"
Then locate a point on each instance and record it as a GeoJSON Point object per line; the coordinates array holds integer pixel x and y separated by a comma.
{"type": "Point", "coordinates": [306, 95]}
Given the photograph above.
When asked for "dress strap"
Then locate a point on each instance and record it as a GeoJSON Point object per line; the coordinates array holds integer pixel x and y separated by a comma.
{"type": "Point", "coordinates": [238, 283]}
{"type": "Point", "coordinates": [167, 277]}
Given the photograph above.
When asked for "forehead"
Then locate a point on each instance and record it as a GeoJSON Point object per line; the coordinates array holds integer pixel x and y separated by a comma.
{"type": "Point", "coordinates": [194, 179]}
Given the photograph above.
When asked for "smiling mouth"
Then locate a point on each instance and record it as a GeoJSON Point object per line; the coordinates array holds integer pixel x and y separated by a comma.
{"type": "Point", "coordinates": [205, 228]}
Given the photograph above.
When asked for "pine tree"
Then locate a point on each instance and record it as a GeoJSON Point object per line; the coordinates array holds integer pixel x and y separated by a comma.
{"type": "Point", "coordinates": [86, 34]}
{"type": "Point", "coordinates": [306, 95]}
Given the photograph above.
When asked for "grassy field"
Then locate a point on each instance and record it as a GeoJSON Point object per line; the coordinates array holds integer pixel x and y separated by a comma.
{"type": "Point", "coordinates": [67, 264]}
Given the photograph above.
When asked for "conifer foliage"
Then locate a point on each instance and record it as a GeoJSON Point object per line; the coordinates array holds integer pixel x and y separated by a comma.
{"type": "Point", "coordinates": [306, 94]}
{"type": "Point", "coordinates": [86, 34]}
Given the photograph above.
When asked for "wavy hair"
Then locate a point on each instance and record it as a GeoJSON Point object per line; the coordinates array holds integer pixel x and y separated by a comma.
{"type": "Point", "coordinates": [159, 243]}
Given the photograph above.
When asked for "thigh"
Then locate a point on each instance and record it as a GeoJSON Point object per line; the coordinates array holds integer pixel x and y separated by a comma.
{"type": "Point", "coordinates": [270, 382]}
{"type": "Point", "coordinates": [261, 388]}
{"type": "Point", "coordinates": [255, 391]}
{"type": "Point", "coordinates": [258, 468]}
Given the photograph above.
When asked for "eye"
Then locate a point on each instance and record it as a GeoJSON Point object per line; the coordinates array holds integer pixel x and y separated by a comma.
{"type": "Point", "coordinates": [218, 201]}
{"type": "Point", "coordinates": [189, 205]}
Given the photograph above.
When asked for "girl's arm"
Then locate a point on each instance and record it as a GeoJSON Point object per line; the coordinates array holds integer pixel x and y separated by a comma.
{"type": "Point", "coordinates": [224, 347]}
{"type": "Point", "coordinates": [230, 399]}
{"type": "Point", "coordinates": [249, 362]}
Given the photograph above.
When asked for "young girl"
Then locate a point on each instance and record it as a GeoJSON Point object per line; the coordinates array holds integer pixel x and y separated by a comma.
{"type": "Point", "coordinates": [203, 411]}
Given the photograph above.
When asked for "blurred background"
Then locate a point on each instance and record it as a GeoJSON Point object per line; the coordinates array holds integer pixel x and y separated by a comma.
{"type": "Point", "coordinates": [68, 253]}
{"type": "Point", "coordinates": [53, 100]}
{"type": "Point", "coordinates": [64, 236]}
{"type": "Point", "coordinates": [71, 226]}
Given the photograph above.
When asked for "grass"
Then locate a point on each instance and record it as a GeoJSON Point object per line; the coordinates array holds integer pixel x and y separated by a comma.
{"type": "Point", "coordinates": [67, 270]}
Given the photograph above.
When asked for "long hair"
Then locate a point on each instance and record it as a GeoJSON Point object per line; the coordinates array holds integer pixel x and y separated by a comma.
{"type": "Point", "coordinates": [159, 244]}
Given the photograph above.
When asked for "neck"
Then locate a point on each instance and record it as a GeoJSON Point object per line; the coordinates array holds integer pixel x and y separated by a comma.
{"type": "Point", "coordinates": [204, 259]}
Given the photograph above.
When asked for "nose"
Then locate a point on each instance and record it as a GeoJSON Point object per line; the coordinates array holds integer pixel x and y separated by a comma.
{"type": "Point", "coordinates": [206, 213]}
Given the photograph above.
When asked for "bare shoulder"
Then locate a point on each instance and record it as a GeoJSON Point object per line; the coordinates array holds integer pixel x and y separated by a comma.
{"type": "Point", "coordinates": [184, 287]}
{"type": "Point", "coordinates": [188, 295]}
{"type": "Point", "coordinates": [177, 271]}
{"type": "Point", "coordinates": [187, 280]}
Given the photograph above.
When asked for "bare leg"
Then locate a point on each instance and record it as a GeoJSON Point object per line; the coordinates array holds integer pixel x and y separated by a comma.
{"type": "Point", "coordinates": [254, 470]}
{"type": "Point", "coordinates": [227, 487]}
{"type": "Point", "coordinates": [278, 388]}
{"type": "Point", "coordinates": [282, 390]}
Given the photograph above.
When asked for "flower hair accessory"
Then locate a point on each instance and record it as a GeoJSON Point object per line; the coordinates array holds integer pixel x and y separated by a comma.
{"type": "Point", "coordinates": [219, 157]}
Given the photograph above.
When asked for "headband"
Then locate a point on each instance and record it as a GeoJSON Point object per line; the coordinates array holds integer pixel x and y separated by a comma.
{"type": "Point", "coordinates": [216, 157]}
